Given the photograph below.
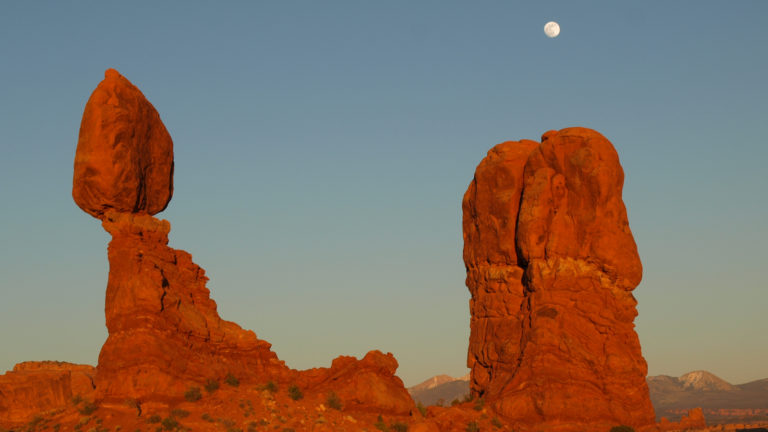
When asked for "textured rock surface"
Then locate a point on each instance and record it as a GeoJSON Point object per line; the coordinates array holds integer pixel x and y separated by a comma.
{"type": "Point", "coordinates": [124, 158]}
{"type": "Point", "coordinates": [693, 421]}
{"type": "Point", "coordinates": [551, 264]}
{"type": "Point", "coordinates": [165, 334]}
{"type": "Point", "coordinates": [164, 330]}
{"type": "Point", "coordinates": [35, 387]}
{"type": "Point", "coordinates": [368, 384]}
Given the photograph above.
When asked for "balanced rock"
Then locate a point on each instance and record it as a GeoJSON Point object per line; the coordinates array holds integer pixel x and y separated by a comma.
{"type": "Point", "coordinates": [551, 263]}
{"type": "Point", "coordinates": [165, 334]}
{"type": "Point", "coordinates": [124, 158]}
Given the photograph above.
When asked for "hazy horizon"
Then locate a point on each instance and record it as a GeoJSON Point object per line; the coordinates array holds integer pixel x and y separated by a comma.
{"type": "Point", "coordinates": [322, 151]}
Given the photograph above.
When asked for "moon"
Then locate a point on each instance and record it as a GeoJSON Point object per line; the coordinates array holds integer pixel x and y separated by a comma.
{"type": "Point", "coordinates": [552, 29]}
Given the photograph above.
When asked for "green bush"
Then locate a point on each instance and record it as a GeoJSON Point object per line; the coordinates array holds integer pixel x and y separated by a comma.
{"type": "Point", "coordinates": [333, 401]}
{"type": "Point", "coordinates": [622, 428]}
{"type": "Point", "coordinates": [88, 408]}
{"type": "Point", "coordinates": [211, 385]}
{"type": "Point", "coordinates": [399, 427]}
{"type": "Point", "coordinates": [496, 422]}
{"type": "Point", "coordinates": [193, 394]}
{"type": "Point", "coordinates": [479, 403]}
{"type": "Point", "coordinates": [179, 413]}
{"type": "Point", "coordinates": [472, 427]}
{"type": "Point", "coordinates": [422, 409]}
{"type": "Point", "coordinates": [154, 419]}
{"type": "Point", "coordinates": [169, 423]}
{"type": "Point", "coordinates": [231, 380]}
{"type": "Point", "coordinates": [295, 392]}
{"type": "Point", "coordinates": [270, 387]}
{"type": "Point", "coordinates": [380, 425]}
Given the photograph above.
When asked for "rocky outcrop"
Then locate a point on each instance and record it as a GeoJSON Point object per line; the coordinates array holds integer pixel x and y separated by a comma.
{"type": "Point", "coordinates": [693, 421]}
{"type": "Point", "coordinates": [165, 334]}
{"type": "Point", "coordinates": [164, 331]}
{"type": "Point", "coordinates": [551, 263]}
{"type": "Point", "coordinates": [35, 387]}
{"type": "Point", "coordinates": [367, 385]}
{"type": "Point", "coordinates": [124, 158]}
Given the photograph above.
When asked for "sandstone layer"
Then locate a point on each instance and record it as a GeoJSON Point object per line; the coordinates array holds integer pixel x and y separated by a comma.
{"type": "Point", "coordinates": [35, 387]}
{"type": "Point", "coordinates": [164, 331]}
{"type": "Point", "coordinates": [551, 265]}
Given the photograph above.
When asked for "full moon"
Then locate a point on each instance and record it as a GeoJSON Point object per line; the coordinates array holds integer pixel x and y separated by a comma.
{"type": "Point", "coordinates": [552, 29]}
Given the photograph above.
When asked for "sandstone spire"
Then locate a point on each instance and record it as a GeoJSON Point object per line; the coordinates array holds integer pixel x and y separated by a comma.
{"type": "Point", "coordinates": [551, 263]}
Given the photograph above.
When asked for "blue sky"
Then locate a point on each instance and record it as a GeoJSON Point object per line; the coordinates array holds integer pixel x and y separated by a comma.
{"type": "Point", "coordinates": [322, 150]}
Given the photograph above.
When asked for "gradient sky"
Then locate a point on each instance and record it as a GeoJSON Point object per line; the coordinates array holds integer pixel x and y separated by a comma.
{"type": "Point", "coordinates": [322, 150]}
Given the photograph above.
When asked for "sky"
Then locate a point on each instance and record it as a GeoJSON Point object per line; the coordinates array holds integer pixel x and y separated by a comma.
{"type": "Point", "coordinates": [322, 150]}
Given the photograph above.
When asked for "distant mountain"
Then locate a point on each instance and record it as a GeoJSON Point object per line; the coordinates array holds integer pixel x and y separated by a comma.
{"type": "Point", "coordinates": [440, 388]}
{"type": "Point", "coordinates": [721, 401]}
{"type": "Point", "coordinates": [705, 381]}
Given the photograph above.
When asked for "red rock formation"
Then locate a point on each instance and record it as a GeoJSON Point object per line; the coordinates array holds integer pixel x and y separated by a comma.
{"type": "Point", "coordinates": [368, 385]}
{"type": "Point", "coordinates": [165, 334]}
{"type": "Point", "coordinates": [124, 158]}
{"type": "Point", "coordinates": [35, 387]}
{"type": "Point", "coordinates": [164, 330]}
{"type": "Point", "coordinates": [551, 264]}
{"type": "Point", "coordinates": [693, 421]}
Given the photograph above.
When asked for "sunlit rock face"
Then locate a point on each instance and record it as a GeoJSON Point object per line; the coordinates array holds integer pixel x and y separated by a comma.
{"type": "Point", "coordinates": [551, 263]}
{"type": "Point", "coordinates": [124, 157]}
{"type": "Point", "coordinates": [165, 334]}
{"type": "Point", "coordinates": [35, 387]}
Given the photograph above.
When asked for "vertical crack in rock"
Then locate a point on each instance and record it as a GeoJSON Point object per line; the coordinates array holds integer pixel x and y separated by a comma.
{"type": "Point", "coordinates": [545, 229]}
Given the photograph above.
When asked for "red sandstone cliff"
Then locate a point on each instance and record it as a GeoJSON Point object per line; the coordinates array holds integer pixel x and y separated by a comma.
{"type": "Point", "coordinates": [551, 264]}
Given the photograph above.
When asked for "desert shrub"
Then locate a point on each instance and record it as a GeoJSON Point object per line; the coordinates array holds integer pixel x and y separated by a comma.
{"type": "Point", "coordinates": [231, 380]}
{"type": "Point", "coordinates": [154, 419]}
{"type": "Point", "coordinates": [472, 427]}
{"type": "Point", "coordinates": [76, 399]}
{"type": "Point", "coordinates": [496, 422]}
{"type": "Point", "coordinates": [455, 402]}
{"type": "Point", "coordinates": [179, 413]}
{"type": "Point", "coordinates": [622, 428]}
{"type": "Point", "coordinates": [211, 385]}
{"type": "Point", "coordinates": [227, 423]}
{"type": "Point", "coordinates": [422, 409]}
{"type": "Point", "coordinates": [479, 404]}
{"type": "Point", "coordinates": [380, 425]}
{"type": "Point", "coordinates": [399, 427]}
{"type": "Point", "coordinates": [193, 394]}
{"type": "Point", "coordinates": [87, 408]}
{"type": "Point", "coordinates": [468, 398]}
{"type": "Point", "coordinates": [270, 387]}
{"type": "Point", "coordinates": [207, 417]}
{"type": "Point", "coordinates": [440, 402]}
{"type": "Point", "coordinates": [333, 401]}
{"type": "Point", "coordinates": [169, 423]}
{"type": "Point", "coordinates": [295, 392]}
